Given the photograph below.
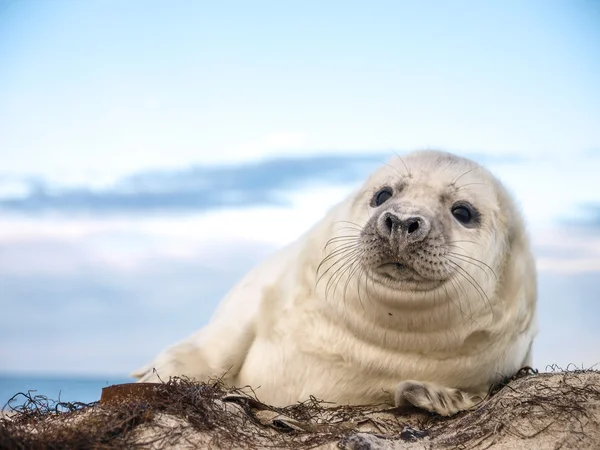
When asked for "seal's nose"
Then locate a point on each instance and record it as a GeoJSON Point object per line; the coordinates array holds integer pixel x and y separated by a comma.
{"type": "Point", "coordinates": [410, 228]}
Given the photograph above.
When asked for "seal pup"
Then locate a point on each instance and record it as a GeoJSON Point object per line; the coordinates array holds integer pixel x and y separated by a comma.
{"type": "Point", "coordinates": [419, 288]}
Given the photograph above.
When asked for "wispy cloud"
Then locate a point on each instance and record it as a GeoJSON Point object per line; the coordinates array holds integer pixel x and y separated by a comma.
{"type": "Point", "coordinates": [567, 250]}
{"type": "Point", "coordinates": [194, 189]}
{"type": "Point", "coordinates": [199, 188]}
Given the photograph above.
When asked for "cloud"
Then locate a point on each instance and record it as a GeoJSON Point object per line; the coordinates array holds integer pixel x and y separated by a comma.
{"type": "Point", "coordinates": [199, 188]}
{"type": "Point", "coordinates": [567, 250]}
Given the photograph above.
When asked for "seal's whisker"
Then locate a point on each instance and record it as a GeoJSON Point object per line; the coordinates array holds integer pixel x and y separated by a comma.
{"type": "Point", "coordinates": [335, 259]}
{"type": "Point", "coordinates": [408, 173]}
{"type": "Point", "coordinates": [342, 257]}
{"type": "Point", "coordinates": [448, 297]}
{"type": "Point", "coordinates": [358, 278]}
{"type": "Point", "coordinates": [351, 275]}
{"type": "Point", "coordinates": [339, 273]}
{"type": "Point", "coordinates": [343, 236]}
{"type": "Point", "coordinates": [469, 278]}
{"type": "Point", "coordinates": [456, 286]}
{"type": "Point", "coordinates": [453, 302]}
{"type": "Point", "coordinates": [358, 227]}
{"type": "Point", "coordinates": [356, 231]}
{"type": "Point", "coordinates": [339, 250]}
{"type": "Point", "coordinates": [342, 246]}
{"type": "Point", "coordinates": [473, 283]}
{"type": "Point", "coordinates": [339, 245]}
{"type": "Point", "coordinates": [362, 272]}
{"type": "Point", "coordinates": [337, 262]}
{"type": "Point", "coordinates": [339, 254]}
{"type": "Point", "coordinates": [470, 242]}
{"type": "Point", "coordinates": [471, 260]}
{"type": "Point", "coordinates": [358, 283]}
{"type": "Point", "coordinates": [472, 184]}
{"type": "Point", "coordinates": [339, 239]}
{"type": "Point", "coordinates": [457, 304]}
{"type": "Point", "coordinates": [453, 182]}
{"type": "Point", "coordinates": [373, 285]}
{"type": "Point", "coordinates": [394, 169]}
{"type": "Point", "coordinates": [366, 275]}
{"type": "Point", "coordinates": [348, 221]}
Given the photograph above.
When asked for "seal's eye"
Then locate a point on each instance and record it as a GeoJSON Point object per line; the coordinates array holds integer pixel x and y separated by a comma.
{"type": "Point", "coordinates": [464, 213]}
{"type": "Point", "coordinates": [382, 196]}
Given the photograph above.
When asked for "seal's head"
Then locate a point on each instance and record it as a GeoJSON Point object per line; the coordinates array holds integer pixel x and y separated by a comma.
{"type": "Point", "coordinates": [434, 222]}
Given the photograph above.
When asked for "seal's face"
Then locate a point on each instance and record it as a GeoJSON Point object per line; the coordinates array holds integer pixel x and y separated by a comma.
{"type": "Point", "coordinates": [427, 222]}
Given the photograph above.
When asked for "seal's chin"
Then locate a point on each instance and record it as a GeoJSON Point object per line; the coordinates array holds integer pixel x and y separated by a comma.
{"type": "Point", "coordinates": [403, 275]}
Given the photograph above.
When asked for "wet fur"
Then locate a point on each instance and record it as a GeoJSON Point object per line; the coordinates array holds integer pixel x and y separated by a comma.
{"type": "Point", "coordinates": [313, 320]}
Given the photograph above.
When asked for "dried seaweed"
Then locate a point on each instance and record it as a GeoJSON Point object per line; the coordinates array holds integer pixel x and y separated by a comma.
{"type": "Point", "coordinates": [561, 407]}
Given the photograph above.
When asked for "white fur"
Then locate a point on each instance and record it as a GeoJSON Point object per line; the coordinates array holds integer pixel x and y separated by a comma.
{"type": "Point", "coordinates": [280, 332]}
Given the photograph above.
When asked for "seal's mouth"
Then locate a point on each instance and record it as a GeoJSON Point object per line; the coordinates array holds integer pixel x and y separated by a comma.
{"type": "Point", "coordinates": [397, 275]}
{"type": "Point", "coordinates": [396, 271]}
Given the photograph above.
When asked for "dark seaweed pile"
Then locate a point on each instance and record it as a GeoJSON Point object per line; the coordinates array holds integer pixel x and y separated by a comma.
{"type": "Point", "coordinates": [569, 400]}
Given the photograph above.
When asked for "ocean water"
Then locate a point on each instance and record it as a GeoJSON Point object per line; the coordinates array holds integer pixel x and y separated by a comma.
{"type": "Point", "coordinates": [67, 388]}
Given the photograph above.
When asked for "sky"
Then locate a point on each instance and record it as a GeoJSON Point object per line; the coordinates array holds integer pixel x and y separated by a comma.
{"type": "Point", "coordinates": [153, 152]}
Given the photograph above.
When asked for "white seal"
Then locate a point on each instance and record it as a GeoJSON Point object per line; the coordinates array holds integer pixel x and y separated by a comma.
{"type": "Point", "coordinates": [419, 288]}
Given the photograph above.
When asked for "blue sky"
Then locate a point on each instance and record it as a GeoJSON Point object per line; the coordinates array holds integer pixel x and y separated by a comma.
{"type": "Point", "coordinates": [152, 152]}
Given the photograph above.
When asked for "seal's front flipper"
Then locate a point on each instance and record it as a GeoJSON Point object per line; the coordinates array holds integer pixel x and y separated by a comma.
{"type": "Point", "coordinates": [217, 351]}
{"type": "Point", "coordinates": [183, 359]}
{"type": "Point", "coordinates": [434, 398]}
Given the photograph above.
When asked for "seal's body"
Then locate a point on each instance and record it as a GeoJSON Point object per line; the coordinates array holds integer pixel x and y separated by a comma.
{"type": "Point", "coordinates": [419, 288]}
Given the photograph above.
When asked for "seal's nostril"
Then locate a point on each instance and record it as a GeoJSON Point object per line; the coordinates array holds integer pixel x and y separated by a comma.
{"type": "Point", "coordinates": [413, 225]}
{"type": "Point", "coordinates": [392, 222]}
{"type": "Point", "coordinates": [389, 223]}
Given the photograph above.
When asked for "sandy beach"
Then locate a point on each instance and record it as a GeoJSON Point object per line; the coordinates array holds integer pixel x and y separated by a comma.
{"type": "Point", "coordinates": [542, 411]}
